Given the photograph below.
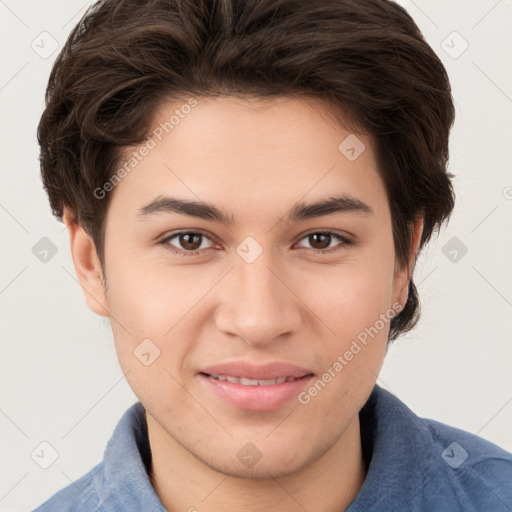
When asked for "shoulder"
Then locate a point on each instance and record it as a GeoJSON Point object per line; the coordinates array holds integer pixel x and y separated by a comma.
{"type": "Point", "coordinates": [419, 464]}
{"type": "Point", "coordinates": [79, 496]}
{"type": "Point", "coordinates": [478, 472]}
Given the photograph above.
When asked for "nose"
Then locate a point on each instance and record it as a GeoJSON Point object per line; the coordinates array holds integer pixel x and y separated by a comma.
{"type": "Point", "coordinates": [257, 304]}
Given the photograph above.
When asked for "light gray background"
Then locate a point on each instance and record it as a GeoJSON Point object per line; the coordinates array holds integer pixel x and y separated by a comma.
{"type": "Point", "coordinates": [60, 379]}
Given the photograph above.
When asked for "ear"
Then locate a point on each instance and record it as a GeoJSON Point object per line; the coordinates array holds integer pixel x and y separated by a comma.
{"type": "Point", "coordinates": [87, 266]}
{"type": "Point", "coordinates": [403, 275]}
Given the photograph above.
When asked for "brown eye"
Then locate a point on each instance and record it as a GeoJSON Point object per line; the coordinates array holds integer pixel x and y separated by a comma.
{"type": "Point", "coordinates": [186, 243]}
{"type": "Point", "coordinates": [189, 241]}
{"type": "Point", "coordinates": [320, 241]}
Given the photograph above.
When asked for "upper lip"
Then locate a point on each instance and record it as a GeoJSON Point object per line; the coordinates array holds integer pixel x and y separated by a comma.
{"type": "Point", "coordinates": [271, 370]}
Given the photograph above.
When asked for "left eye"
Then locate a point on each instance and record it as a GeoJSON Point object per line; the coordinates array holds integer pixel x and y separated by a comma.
{"type": "Point", "coordinates": [320, 238]}
{"type": "Point", "coordinates": [191, 242]}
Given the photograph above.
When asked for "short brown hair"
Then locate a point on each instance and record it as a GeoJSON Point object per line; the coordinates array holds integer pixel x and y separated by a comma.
{"type": "Point", "coordinates": [366, 58]}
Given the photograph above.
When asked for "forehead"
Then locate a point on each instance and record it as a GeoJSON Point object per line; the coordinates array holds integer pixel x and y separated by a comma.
{"type": "Point", "coordinates": [250, 152]}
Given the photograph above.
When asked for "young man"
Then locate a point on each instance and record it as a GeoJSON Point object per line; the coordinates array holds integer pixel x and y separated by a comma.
{"type": "Point", "coordinates": [247, 185]}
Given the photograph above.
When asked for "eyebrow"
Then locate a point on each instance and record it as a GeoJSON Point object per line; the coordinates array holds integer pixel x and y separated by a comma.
{"type": "Point", "coordinates": [343, 203]}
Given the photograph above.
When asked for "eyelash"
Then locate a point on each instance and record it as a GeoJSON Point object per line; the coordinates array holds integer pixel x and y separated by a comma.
{"type": "Point", "coordinates": [344, 242]}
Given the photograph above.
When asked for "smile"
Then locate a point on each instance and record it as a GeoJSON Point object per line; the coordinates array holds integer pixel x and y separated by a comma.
{"type": "Point", "coordinates": [252, 382]}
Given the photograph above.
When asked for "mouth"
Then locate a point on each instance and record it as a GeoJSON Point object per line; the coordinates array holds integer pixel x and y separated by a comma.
{"type": "Point", "coordinates": [245, 381]}
{"type": "Point", "coordinates": [254, 387]}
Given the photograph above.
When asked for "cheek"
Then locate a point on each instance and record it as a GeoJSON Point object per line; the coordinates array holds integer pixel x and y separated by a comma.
{"type": "Point", "coordinates": [148, 297]}
{"type": "Point", "coordinates": [156, 303]}
{"type": "Point", "coordinates": [143, 309]}
{"type": "Point", "coordinates": [352, 297]}
{"type": "Point", "coordinates": [354, 301]}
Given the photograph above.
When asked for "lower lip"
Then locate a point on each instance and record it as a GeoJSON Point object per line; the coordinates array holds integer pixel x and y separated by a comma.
{"type": "Point", "coordinates": [256, 398]}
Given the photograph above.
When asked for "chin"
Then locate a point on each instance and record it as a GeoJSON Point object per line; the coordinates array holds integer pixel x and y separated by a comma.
{"type": "Point", "coordinates": [260, 471]}
{"type": "Point", "coordinates": [264, 462]}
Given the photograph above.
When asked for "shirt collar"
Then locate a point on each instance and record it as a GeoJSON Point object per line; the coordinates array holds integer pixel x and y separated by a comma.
{"type": "Point", "coordinates": [126, 484]}
{"type": "Point", "coordinates": [396, 441]}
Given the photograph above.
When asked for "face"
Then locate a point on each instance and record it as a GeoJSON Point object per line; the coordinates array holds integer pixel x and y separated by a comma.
{"type": "Point", "coordinates": [212, 309]}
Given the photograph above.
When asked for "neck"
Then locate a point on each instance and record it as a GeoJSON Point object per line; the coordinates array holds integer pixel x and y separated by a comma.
{"type": "Point", "coordinates": [328, 483]}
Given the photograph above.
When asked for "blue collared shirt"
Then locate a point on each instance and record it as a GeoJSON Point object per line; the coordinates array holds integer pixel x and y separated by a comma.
{"type": "Point", "coordinates": [415, 464]}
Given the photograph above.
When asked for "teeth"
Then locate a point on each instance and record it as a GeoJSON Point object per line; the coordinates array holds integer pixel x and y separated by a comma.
{"type": "Point", "coordinates": [252, 382]}
{"type": "Point", "coordinates": [269, 382]}
{"type": "Point", "coordinates": [249, 382]}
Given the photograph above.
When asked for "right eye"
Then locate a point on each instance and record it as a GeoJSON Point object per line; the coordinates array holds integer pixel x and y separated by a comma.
{"type": "Point", "coordinates": [188, 241]}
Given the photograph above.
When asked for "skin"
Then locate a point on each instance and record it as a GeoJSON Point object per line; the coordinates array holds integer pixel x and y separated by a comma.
{"type": "Point", "coordinates": [255, 159]}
